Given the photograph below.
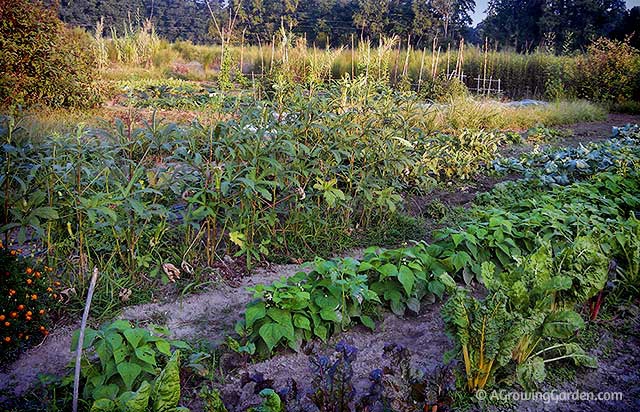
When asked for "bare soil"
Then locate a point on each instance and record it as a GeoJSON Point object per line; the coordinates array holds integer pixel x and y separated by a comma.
{"type": "Point", "coordinates": [211, 315]}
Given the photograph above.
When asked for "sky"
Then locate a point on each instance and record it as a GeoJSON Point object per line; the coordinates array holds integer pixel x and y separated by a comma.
{"type": "Point", "coordinates": [481, 6]}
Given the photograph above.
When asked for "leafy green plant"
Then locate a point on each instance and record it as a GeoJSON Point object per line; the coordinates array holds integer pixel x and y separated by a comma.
{"type": "Point", "coordinates": [403, 278]}
{"type": "Point", "coordinates": [534, 288]}
{"type": "Point", "coordinates": [135, 369]}
{"type": "Point", "coordinates": [482, 330]}
{"type": "Point", "coordinates": [326, 300]}
{"type": "Point", "coordinates": [626, 249]}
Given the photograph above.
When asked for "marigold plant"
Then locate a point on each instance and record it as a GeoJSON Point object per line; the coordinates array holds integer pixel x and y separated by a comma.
{"type": "Point", "coordinates": [27, 296]}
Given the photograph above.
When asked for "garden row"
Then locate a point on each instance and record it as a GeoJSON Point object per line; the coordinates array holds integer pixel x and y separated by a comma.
{"type": "Point", "coordinates": [541, 250]}
{"type": "Point", "coordinates": [528, 318]}
{"type": "Point", "coordinates": [263, 182]}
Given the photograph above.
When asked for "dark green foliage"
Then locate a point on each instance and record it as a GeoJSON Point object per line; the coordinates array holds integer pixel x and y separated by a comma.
{"type": "Point", "coordinates": [41, 60]}
{"type": "Point", "coordinates": [567, 25]}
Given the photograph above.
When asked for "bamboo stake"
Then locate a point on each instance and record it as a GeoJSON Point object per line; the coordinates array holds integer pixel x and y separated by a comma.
{"type": "Point", "coordinates": [273, 51]}
{"type": "Point", "coordinates": [421, 68]}
{"type": "Point", "coordinates": [353, 57]}
{"type": "Point", "coordinates": [83, 326]}
{"type": "Point", "coordinates": [405, 69]}
{"type": "Point", "coordinates": [242, 51]}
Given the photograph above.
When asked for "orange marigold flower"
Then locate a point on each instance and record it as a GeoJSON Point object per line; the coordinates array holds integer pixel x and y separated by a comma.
{"type": "Point", "coordinates": [56, 283]}
{"type": "Point", "coordinates": [38, 274]}
{"type": "Point", "coordinates": [41, 311]}
{"type": "Point", "coordinates": [7, 324]}
{"type": "Point", "coordinates": [29, 281]}
{"type": "Point", "coordinates": [34, 297]}
{"type": "Point", "coordinates": [49, 290]}
{"type": "Point", "coordinates": [28, 318]}
{"type": "Point", "coordinates": [29, 313]}
{"type": "Point", "coordinates": [12, 292]}
{"type": "Point", "coordinates": [42, 328]}
{"type": "Point", "coordinates": [2, 317]}
{"type": "Point", "coordinates": [13, 253]}
{"type": "Point", "coordinates": [29, 271]}
{"type": "Point", "coordinates": [20, 307]}
{"type": "Point", "coordinates": [7, 339]}
{"type": "Point", "coordinates": [45, 333]}
{"type": "Point", "coordinates": [13, 315]}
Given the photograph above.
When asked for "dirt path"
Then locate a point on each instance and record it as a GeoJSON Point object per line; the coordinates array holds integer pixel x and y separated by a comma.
{"type": "Point", "coordinates": [211, 316]}
{"type": "Point", "coordinates": [208, 315]}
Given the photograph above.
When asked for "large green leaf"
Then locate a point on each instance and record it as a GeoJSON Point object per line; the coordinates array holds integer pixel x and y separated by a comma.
{"type": "Point", "coordinates": [135, 401]}
{"type": "Point", "coordinates": [271, 333]}
{"type": "Point", "coordinates": [128, 372]}
{"type": "Point", "coordinates": [255, 312]}
{"type": "Point", "coordinates": [166, 388]}
{"type": "Point", "coordinates": [531, 373]}
{"type": "Point", "coordinates": [135, 336]}
{"type": "Point", "coordinates": [387, 270]}
{"type": "Point", "coordinates": [562, 324]}
{"type": "Point", "coordinates": [301, 322]}
{"type": "Point", "coordinates": [103, 405]}
{"type": "Point", "coordinates": [406, 278]}
{"type": "Point", "coordinates": [146, 354]}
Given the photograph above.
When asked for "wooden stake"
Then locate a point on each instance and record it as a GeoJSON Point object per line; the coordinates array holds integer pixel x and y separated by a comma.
{"type": "Point", "coordinates": [83, 326]}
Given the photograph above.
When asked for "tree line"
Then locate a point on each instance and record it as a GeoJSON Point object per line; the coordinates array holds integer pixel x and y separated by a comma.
{"type": "Point", "coordinates": [557, 25]}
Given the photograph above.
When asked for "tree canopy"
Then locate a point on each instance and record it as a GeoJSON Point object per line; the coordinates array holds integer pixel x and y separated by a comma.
{"type": "Point", "coordinates": [559, 25]}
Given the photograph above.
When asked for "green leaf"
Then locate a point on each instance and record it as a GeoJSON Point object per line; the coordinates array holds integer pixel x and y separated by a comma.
{"type": "Point", "coordinates": [387, 270]}
{"type": "Point", "coordinates": [103, 405]}
{"type": "Point", "coordinates": [255, 312]}
{"type": "Point", "coordinates": [105, 392]}
{"type": "Point", "coordinates": [562, 324]}
{"type": "Point", "coordinates": [321, 332]}
{"type": "Point", "coordinates": [531, 373]}
{"type": "Point", "coordinates": [89, 336]}
{"type": "Point", "coordinates": [237, 238]}
{"type": "Point", "coordinates": [166, 388]}
{"type": "Point", "coordinates": [436, 287]}
{"type": "Point", "coordinates": [164, 347]}
{"type": "Point", "coordinates": [406, 278]}
{"type": "Point", "coordinates": [329, 314]}
{"type": "Point", "coordinates": [114, 339]}
{"type": "Point", "coordinates": [46, 212]}
{"type": "Point", "coordinates": [128, 372]}
{"type": "Point", "coordinates": [447, 281]}
{"type": "Point", "coordinates": [135, 401]}
{"type": "Point", "coordinates": [134, 336]}
{"type": "Point", "coordinates": [146, 354]}
{"type": "Point", "coordinates": [413, 304]}
{"type": "Point", "coordinates": [368, 322]}
{"type": "Point", "coordinates": [271, 333]}
{"type": "Point", "coordinates": [301, 322]}
{"type": "Point", "coordinates": [326, 301]}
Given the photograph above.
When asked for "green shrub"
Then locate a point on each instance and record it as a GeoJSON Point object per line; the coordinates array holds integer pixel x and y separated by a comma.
{"type": "Point", "coordinates": [26, 298]}
{"type": "Point", "coordinates": [609, 72]}
{"type": "Point", "coordinates": [41, 60]}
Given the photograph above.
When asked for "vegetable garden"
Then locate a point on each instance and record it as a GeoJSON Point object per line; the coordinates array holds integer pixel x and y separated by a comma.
{"type": "Point", "coordinates": [306, 243]}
